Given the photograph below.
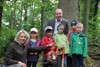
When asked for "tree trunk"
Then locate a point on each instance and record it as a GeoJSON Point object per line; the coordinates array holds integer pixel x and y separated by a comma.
{"type": "Point", "coordinates": [86, 15]}
{"type": "Point", "coordinates": [1, 10]}
{"type": "Point", "coordinates": [42, 18]}
{"type": "Point", "coordinates": [25, 14]}
{"type": "Point", "coordinates": [70, 9]}
{"type": "Point", "coordinates": [14, 15]}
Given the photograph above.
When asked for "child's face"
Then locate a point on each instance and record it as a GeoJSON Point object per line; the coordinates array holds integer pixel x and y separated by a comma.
{"type": "Point", "coordinates": [49, 33]}
{"type": "Point", "coordinates": [33, 34]}
{"type": "Point", "coordinates": [74, 27]}
{"type": "Point", "coordinates": [79, 28]}
{"type": "Point", "coordinates": [60, 30]}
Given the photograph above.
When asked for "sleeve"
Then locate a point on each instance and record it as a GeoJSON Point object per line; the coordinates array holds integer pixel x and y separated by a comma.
{"type": "Point", "coordinates": [85, 48]}
{"type": "Point", "coordinates": [43, 43]}
{"type": "Point", "coordinates": [9, 56]}
{"type": "Point", "coordinates": [66, 28]}
{"type": "Point", "coordinates": [67, 46]}
{"type": "Point", "coordinates": [56, 41]}
{"type": "Point", "coordinates": [71, 46]}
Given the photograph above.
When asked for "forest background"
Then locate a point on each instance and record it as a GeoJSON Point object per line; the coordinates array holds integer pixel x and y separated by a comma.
{"type": "Point", "coordinates": [25, 14]}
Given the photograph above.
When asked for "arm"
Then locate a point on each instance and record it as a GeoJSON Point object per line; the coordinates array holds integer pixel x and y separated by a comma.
{"type": "Point", "coordinates": [67, 46]}
{"type": "Point", "coordinates": [71, 46]}
{"type": "Point", "coordinates": [9, 55]}
{"type": "Point", "coordinates": [66, 29]}
{"type": "Point", "coordinates": [85, 48]}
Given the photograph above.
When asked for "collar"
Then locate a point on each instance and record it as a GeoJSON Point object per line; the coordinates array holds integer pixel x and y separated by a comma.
{"type": "Point", "coordinates": [58, 21]}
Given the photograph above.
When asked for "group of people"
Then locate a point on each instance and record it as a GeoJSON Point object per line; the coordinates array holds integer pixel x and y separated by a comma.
{"type": "Point", "coordinates": [57, 37]}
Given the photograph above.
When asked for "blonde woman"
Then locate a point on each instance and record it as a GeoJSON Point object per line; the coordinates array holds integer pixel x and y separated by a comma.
{"type": "Point", "coordinates": [17, 51]}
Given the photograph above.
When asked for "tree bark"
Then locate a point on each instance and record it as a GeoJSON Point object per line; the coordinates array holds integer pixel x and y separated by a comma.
{"type": "Point", "coordinates": [70, 9]}
{"type": "Point", "coordinates": [86, 15]}
{"type": "Point", "coordinates": [42, 18]}
{"type": "Point", "coordinates": [1, 11]}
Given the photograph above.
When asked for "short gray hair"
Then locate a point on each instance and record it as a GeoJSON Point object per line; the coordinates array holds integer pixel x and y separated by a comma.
{"type": "Point", "coordinates": [61, 26]}
{"type": "Point", "coordinates": [17, 35]}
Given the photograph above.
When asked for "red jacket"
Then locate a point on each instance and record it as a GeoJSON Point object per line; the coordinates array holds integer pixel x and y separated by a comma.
{"type": "Point", "coordinates": [46, 41]}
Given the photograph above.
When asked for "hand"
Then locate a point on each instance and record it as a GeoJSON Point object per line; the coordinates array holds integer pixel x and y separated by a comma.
{"type": "Point", "coordinates": [51, 44]}
{"type": "Point", "coordinates": [31, 53]}
{"type": "Point", "coordinates": [35, 53]}
{"type": "Point", "coordinates": [22, 64]}
{"type": "Point", "coordinates": [62, 46]}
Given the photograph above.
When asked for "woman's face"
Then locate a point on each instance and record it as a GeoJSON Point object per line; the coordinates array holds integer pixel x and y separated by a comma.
{"type": "Point", "coordinates": [22, 38]}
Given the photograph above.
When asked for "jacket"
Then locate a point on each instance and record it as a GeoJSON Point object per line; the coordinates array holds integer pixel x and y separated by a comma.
{"type": "Point", "coordinates": [51, 22]}
{"type": "Point", "coordinates": [61, 39]}
{"type": "Point", "coordinates": [16, 53]}
{"type": "Point", "coordinates": [78, 44]}
{"type": "Point", "coordinates": [33, 57]}
{"type": "Point", "coordinates": [46, 41]}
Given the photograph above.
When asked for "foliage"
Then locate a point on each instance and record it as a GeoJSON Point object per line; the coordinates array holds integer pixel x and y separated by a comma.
{"type": "Point", "coordinates": [6, 36]}
{"type": "Point", "coordinates": [22, 14]}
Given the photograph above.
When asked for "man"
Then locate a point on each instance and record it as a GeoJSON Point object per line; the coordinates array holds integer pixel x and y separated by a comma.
{"type": "Point", "coordinates": [54, 22]}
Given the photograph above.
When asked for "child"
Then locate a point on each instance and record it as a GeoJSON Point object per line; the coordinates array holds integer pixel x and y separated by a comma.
{"type": "Point", "coordinates": [78, 46]}
{"type": "Point", "coordinates": [62, 42]}
{"type": "Point", "coordinates": [69, 35]}
{"type": "Point", "coordinates": [73, 29]}
{"type": "Point", "coordinates": [48, 40]}
{"type": "Point", "coordinates": [32, 57]}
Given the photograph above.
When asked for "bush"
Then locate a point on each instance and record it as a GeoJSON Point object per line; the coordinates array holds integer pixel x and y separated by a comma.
{"type": "Point", "coordinates": [6, 37]}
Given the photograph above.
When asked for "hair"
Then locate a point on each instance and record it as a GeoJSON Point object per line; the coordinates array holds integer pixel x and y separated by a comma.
{"type": "Point", "coordinates": [60, 27]}
{"type": "Point", "coordinates": [48, 30]}
{"type": "Point", "coordinates": [58, 9]}
{"type": "Point", "coordinates": [80, 24]}
{"type": "Point", "coordinates": [18, 34]}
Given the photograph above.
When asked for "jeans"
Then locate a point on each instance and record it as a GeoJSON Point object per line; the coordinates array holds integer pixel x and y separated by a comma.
{"type": "Point", "coordinates": [77, 60]}
{"type": "Point", "coordinates": [59, 61]}
{"type": "Point", "coordinates": [31, 63]}
{"type": "Point", "coordinates": [13, 65]}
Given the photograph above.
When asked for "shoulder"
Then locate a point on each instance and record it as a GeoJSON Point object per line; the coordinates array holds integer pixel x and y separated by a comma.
{"type": "Point", "coordinates": [44, 37]}
{"type": "Point", "coordinates": [83, 35]}
{"type": "Point", "coordinates": [63, 19]}
{"type": "Point", "coordinates": [13, 43]}
{"type": "Point", "coordinates": [51, 19]}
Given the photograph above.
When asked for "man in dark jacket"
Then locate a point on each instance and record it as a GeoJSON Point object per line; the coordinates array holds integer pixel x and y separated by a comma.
{"type": "Point", "coordinates": [54, 22]}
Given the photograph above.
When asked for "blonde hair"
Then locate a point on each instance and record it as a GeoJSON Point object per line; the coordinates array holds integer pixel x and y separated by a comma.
{"type": "Point", "coordinates": [80, 24]}
{"type": "Point", "coordinates": [18, 34]}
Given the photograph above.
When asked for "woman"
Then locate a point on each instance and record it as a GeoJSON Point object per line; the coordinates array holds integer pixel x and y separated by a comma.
{"type": "Point", "coordinates": [17, 51]}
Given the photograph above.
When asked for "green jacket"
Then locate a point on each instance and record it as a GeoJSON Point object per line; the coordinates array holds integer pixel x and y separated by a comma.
{"type": "Point", "coordinates": [78, 44]}
{"type": "Point", "coordinates": [61, 39]}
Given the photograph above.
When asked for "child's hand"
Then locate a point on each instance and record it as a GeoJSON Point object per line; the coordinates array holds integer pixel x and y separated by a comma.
{"type": "Point", "coordinates": [31, 53]}
{"type": "Point", "coordinates": [62, 46]}
{"type": "Point", "coordinates": [50, 45]}
{"type": "Point", "coordinates": [35, 53]}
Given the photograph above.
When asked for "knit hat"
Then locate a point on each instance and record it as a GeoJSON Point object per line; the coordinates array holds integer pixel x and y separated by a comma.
{"type": "Point", "coordinates": [73, 22]}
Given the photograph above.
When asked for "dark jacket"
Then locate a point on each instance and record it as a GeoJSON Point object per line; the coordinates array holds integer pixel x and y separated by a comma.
{"type": "Point", "coordinates": [16, 53]}
{"type": "Point", "coordinates": [51, 22]}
